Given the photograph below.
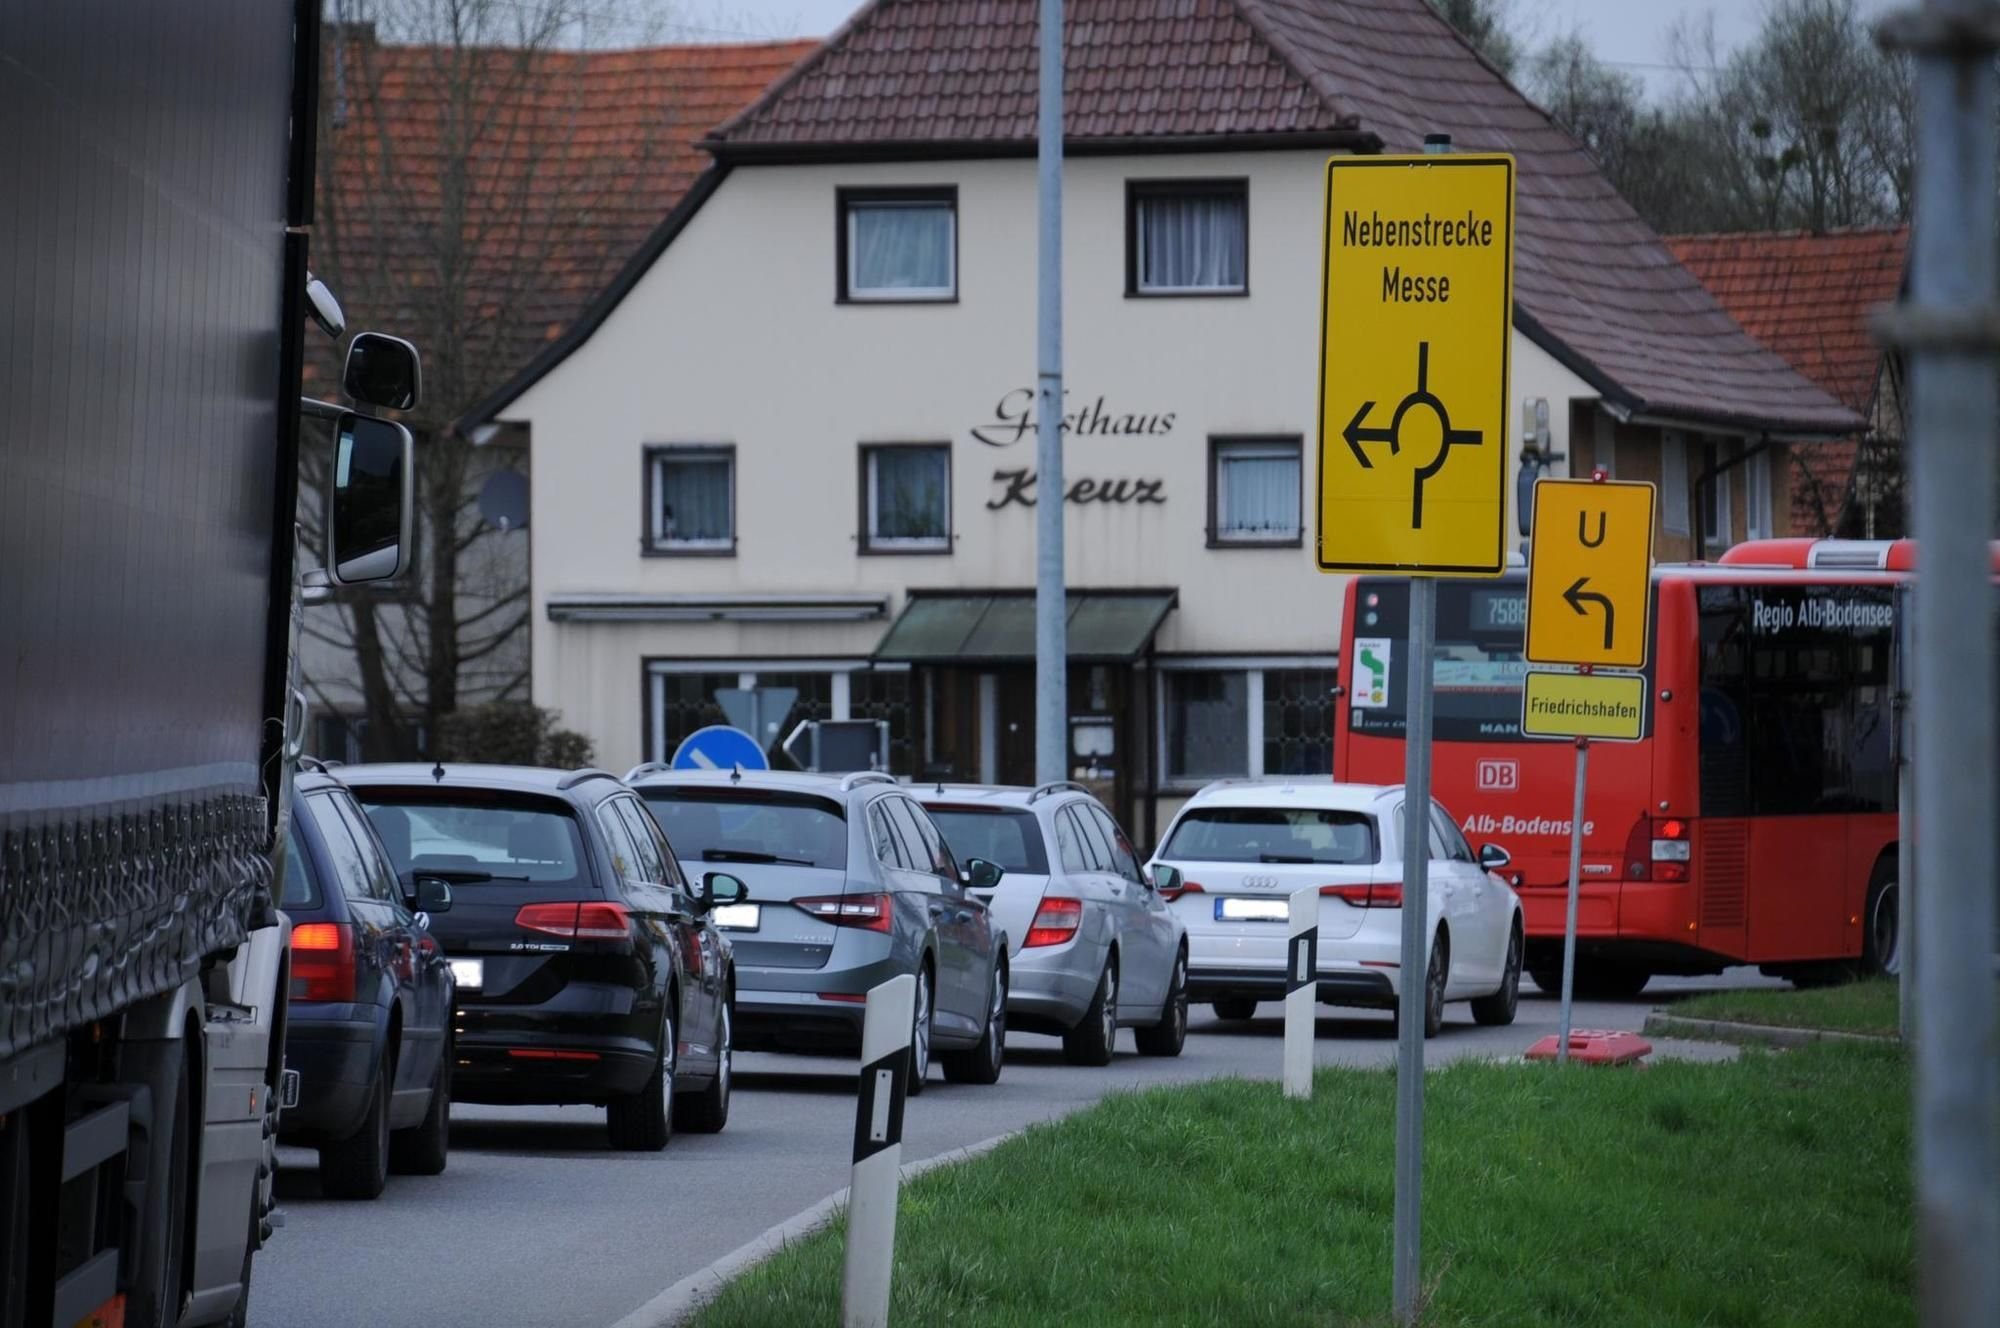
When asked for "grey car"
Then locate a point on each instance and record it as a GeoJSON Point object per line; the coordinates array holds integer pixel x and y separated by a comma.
{"type": "Point", "coordinates": [850, 884]}
{"type": "Point", "coordinates": [1093, 946]}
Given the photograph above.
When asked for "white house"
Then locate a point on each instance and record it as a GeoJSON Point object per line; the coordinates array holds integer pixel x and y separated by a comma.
{"type": "Point", "coordinates": [793, 444]}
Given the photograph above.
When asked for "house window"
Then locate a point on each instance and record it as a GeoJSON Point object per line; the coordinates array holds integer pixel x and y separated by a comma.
{"type": "Point", "coordinates": [1187, 237]}
{"type": "Point", "coordinates": [1673, 484]}
{"type": "Point", "coordinates": [1757, 497]}
{"type": "Point", "coordinates": [1298, 721]}
{"type": "Point", "coordinates": [1716, 520]}
{"type": "Point", "coordinates": [898, 245]}
{"type": "Point", "coordinates": [1206, 736]}
{"type": "Point", "coordinates": [1254, 491]}
{"type": "Point", "coordinates": [906, 498]}
{"type": "Point", "coordinates": [691, 499]}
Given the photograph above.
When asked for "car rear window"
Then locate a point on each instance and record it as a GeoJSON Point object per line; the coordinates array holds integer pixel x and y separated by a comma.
{"type": "Point", "coordinates": [1009, 839]}
{"type": "Point", "coordinates": [1274, 834]}
{"type": "Point", "coordinates": [301, 877]}
{"type": "Point", "coordinates": [744, 825]}
{"type": "Point", "coordinates": [469, 841]}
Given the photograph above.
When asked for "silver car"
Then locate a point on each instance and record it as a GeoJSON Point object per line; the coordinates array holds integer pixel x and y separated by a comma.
{"type": "Point", "coordinates": [1093, 945]}
{"type": "Point", "coordinates": [849, 884]}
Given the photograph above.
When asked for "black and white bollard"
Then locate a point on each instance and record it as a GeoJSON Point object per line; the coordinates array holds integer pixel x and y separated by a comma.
{"type": "Point", "coordinates": [878, 1153]}
{"type": "Point", "coordinates": [1301, 990]}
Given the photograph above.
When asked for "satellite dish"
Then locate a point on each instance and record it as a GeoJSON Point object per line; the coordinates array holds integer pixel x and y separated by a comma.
{"type": "Point", "coordinates": [503, 500]}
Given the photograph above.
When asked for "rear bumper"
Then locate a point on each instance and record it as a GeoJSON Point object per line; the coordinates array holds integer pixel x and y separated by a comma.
{"type": "Point", "coordinates": [593, 1042]}
{"type": "Point", "coordinates": [1334, 986]}
{"type": "Point", "coordinates": [800, 1009]}
{"type": "Point", "coordinates": [335, 1053]}
{"type": "Point", "coordinates": [1050, 987]}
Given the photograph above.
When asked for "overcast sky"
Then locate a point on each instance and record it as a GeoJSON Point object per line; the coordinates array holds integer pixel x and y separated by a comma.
{"type": "Point", "coordinates": [1630, 33]}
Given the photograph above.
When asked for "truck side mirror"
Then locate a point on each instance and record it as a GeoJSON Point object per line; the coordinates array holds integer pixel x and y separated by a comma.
{"type": "Point", "coordinates": [383, 371]}
{"type": "Point", "coordinates": [370, 505]}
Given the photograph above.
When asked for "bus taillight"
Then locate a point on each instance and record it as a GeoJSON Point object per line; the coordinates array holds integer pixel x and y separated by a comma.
{"type": "Point", "coordinates": [1657, 850]}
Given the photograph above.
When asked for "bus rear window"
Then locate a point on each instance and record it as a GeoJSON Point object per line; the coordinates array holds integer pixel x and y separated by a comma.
{"type": "Point", "coordinates": [1476, 673]}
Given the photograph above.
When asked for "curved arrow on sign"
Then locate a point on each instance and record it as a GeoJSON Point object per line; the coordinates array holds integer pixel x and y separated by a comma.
{"type": "Point", "coordinates": [1576, 595]}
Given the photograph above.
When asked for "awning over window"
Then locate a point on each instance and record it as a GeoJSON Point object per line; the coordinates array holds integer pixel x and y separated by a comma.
{"type": "Point", "coordinates": [999, 626]}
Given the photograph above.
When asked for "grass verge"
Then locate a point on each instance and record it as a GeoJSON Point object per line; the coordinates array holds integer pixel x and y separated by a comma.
{"type": "Point", "coordinates": [1770, 1190]}
{"type": "Point", "coordinates": [1855, 1007]}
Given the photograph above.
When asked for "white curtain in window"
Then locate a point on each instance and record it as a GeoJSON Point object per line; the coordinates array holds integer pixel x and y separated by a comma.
{"type": "Point", "coordinates": [1192, 242]}
{"type": "Point", "coordinates": [694, 499]}
{"type": "Point", "coordinates": [1257, 491]}
{"type": "Point", "coordinates": [900, 247]}
{"type": "Point", "coordinates": [912, 493]}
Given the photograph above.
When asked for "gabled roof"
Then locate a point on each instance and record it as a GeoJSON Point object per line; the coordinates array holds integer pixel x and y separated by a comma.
{"type": "Point", "coordinates": [1593, 284]}
{"type": "Point", "coordinates": [1807, 296]}
{"type": "Point", "coordinates": [579, 155]}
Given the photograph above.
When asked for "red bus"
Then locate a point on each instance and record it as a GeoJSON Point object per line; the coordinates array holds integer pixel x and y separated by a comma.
{"type": "Point", "coordinates": [1756, 821]}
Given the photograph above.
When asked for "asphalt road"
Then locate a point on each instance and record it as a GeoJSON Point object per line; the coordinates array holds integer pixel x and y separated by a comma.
{"type": "Point", "coordinates": [538, 1223]}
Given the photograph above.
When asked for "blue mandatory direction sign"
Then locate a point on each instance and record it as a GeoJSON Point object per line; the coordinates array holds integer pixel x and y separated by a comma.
{"type": "Point", "coordinates": [719, 747]}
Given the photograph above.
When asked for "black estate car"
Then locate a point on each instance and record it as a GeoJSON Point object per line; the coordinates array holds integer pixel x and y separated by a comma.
{"type": "Point", "coordinates": [369, 1024]}
{"type": "Point", "coordinates": [588, 969]}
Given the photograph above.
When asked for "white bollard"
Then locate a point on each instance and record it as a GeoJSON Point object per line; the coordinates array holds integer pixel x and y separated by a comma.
{"type": "Point", "coordinates": [878, 1153]}
{"type": "Point", "coordinates": [1301, 990]}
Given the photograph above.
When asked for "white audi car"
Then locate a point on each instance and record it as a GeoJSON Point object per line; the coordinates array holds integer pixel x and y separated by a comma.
{"type": "Point", "coordinates": [1239, 849]}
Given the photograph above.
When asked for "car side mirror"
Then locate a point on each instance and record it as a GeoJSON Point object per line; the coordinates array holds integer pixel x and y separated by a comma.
{"type": "Point", "coordinates": [983, 875]}
{"type": "Point", "coordinates": [1167, 880]}
{"type": "Point", "coordinates": [433, 895]}
{"type": "Point", "coordinates": [371, 502]}
{"type": "Point", "coordinates": [1492, 857]}
{"type": "Point", "coordinates": [383, 371]}
{"type": "Point", "coordinates": [722, 888]}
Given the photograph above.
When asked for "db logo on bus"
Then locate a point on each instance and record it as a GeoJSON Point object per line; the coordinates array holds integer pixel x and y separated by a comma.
{"type": "Point", "coordinates": [1499, 776]}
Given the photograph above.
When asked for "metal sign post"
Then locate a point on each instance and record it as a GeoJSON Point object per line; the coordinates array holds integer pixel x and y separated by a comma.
{"type": "Point", "coordinates": [1051, 599]}
{"type": "Point", "coordinates": [1416, 322]}
{"type": "Point", "coordinates": [1569, 914]}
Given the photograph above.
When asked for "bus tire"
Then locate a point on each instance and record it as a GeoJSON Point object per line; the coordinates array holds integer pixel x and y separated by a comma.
{"type": "Point", "coordinates": [1610, 982]}
{"type": "Point", "coordinates": [1881, 940]}
{"type": "Point", "coordinates": [1235, 1007]}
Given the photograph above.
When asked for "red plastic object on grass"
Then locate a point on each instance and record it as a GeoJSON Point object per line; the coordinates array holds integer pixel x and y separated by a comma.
{"type": "Point", "coordinates": [1595, 1046]}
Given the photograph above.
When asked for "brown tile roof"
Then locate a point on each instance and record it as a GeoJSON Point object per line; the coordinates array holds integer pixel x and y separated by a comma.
{"type": "Point", "coordinates": [1592, 282]}
{"type": "Point", "coordinates": [1807, 296]}
{"type": "Point", "coordinates": [574, 157]}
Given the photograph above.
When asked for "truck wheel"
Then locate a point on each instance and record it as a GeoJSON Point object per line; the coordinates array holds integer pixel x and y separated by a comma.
{"type": "Point", "coordinates": [358, 1166]}
{"type": "Point", "coordinates": [423, 1149]}
{"type": "Point", "coordinates": [161, 1302]}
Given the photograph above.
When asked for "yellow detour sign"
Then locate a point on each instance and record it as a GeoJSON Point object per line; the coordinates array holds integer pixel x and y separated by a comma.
{"type": "Point", "coordinates": [1590, 566]}
{"type": "Point", "coordinates": [1415, 318]}
{"type": "Point", "coordinates": [1584, 705]}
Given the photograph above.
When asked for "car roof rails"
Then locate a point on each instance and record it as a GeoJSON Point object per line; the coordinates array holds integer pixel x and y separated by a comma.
{"type": "Point", "coordinates": [643, 769]}
{"type": "Point", "coordinates": [312, 763]}
{"type": "Point", "coordinates": [582, 776]}
{"type": "Point", "coordinates": [866, 777]}
{"type": "Point", "coordinates": [1056, 786]}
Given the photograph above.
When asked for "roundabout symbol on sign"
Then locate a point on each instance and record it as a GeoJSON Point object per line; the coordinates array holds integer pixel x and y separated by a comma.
{"type": "Point", "coordinates": [1357, 433]}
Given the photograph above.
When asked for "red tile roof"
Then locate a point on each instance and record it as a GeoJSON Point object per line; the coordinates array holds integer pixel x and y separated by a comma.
{"type": "Point", "coordinates": [574, 157]}
{"type": "Point", "coordinates": [1592, 282]}
{"type": "Point", "coordinates": [1807, 296]}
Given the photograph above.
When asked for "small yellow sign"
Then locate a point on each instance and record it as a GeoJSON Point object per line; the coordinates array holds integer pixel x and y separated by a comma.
{"type": "Point", "coordinates": [1590, 567]}
{"type": "Point", "coordinates": [1416, 315]}
{"type": "Point", "coordinates": [1584, 705]}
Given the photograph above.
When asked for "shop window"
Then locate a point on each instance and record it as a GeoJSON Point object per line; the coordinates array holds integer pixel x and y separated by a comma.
{"type": "Point", "coordinates": [1187, 237]}
{"type": "Point", "coordinates": [898, 245]}
{"type": "Point", "coordinates": [686, 702]}
{"type": "Point", "coordinates": [906, 498]}
{"type": "Point", "coordinates": [886, 694]}
{"type": "Point", "coordinates": [1205, 730]}
{"type": "Point", "coordinates": [1298, 721]}
{"type": "Point", "coordinates": [1255, 491]}
{"type": "Point", "coordinates": [691, 499]}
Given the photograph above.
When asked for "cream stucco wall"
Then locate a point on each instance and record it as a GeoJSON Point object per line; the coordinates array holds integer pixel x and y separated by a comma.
{"type": "Point", "coordinates": [734, 336]}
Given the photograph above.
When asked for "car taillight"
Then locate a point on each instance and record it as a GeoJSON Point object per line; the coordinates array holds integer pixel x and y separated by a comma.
{"type": "Point", "coordinates": [870, 912]}
{"type": "Point", "coordinates": [596, 921]}
{"type": "Point", "coordinates": [1671, 850]}
{"type": "Point", "coordinates": [323, 961]}
{"type": "Point", "coordinates": [1187, 887]}
{"type": "Point", "coordinates": [1056, 921]}
{"type": "Point", "coordinates": [1387, 894]}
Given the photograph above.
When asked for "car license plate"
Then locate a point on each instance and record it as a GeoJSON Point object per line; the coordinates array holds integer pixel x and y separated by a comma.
{"type": "Point", "coordinates": [470, 974]}
{"type": "Point", "coordinates": [738, 917]}
{"type": "Point", "coordinates": [1253, 910]}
